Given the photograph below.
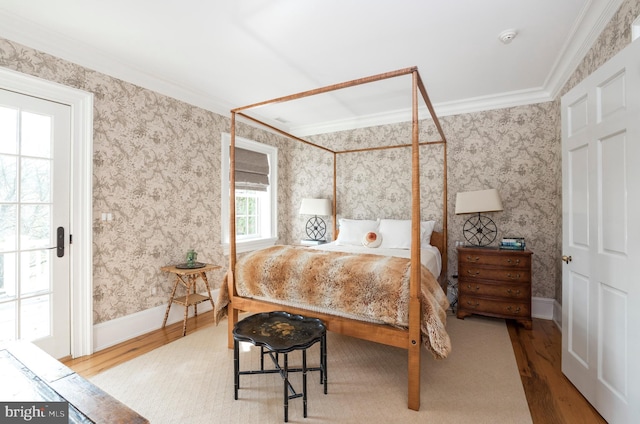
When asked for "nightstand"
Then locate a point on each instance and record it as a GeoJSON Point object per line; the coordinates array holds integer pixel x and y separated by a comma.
{"type": "Point", "coordinates": [495, 282]}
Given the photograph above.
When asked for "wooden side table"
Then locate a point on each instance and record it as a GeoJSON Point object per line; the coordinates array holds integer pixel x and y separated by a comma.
{"type": "Point", "coordinates": [188, 277]}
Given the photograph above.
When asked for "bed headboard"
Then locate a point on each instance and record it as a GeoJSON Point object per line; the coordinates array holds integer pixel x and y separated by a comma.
{"type": "Point", "coordinates": [437, 240]}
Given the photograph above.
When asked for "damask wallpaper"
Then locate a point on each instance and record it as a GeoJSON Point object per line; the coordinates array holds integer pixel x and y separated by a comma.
{"type": "Point", "coordinates": [157, 170]}
{"type": "Point", "coordinates": [515, 150]}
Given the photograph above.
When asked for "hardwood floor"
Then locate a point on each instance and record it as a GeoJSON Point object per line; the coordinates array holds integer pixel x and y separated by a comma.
{"type": "Point", "coordinates": [551, 397]}
{"type": "Point", "coordinates": [91, 365]}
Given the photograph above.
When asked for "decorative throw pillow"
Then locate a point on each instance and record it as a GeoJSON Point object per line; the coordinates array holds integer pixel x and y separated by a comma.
{"type": "Point", "coordinates": [372, 239]}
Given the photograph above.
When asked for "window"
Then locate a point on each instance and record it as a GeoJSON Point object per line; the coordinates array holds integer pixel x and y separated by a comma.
{"type": "Point", "coordinates": [247, 213]}
{"type": "Point", "coordinates": [256, 211]}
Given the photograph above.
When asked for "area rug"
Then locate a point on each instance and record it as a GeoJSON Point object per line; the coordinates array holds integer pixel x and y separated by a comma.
{"type": "Point", "coordinates": [191, 381]}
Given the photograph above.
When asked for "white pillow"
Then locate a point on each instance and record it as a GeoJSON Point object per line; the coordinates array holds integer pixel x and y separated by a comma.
{"type": "Point", "coordinates": [372, 239]}
{"type": "Point", "coordinates": [396, 233]}
{"type": "Point", "coordinates": [427, 228]}
{"type": "Point", "coordinates": [353, 230]}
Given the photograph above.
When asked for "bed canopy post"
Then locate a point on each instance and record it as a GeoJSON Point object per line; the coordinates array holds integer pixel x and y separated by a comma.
{"type": "Point", "coordinates": [445, 245]}
{"type": "Point", "coordinates": [233, 312]}
{"type": "Point", "coordinates": [232, 190]}
{"type": "Point", "coordinates": [445, 215]}
{"type": "Point", "coordinates": [335, 196]}
{"type": "Point", "coordinates": [413, 370]}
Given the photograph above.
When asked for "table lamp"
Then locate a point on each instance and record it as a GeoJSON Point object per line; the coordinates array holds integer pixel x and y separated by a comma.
{"type": "Point", "coordinates": [316, 227]}
{"type": "Point", "coordinates": [479, 230]}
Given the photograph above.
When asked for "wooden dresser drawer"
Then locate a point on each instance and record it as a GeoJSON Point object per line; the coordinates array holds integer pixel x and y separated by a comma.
{"type": "Point", "coordinates": [477, 272]}
{"type": "Point", "coordinates": [504, 291]}
{"type": "Point", "coordinates": [510, 259]}
{"type": "Point", "coordinates": [496, 308]}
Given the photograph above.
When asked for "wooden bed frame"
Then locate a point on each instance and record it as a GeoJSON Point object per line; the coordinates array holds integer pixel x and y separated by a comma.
{"type": "Point", "coordinates": [408, 339]}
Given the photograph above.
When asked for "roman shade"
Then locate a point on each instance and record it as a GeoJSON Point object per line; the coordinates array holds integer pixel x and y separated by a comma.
{"type": "Point", "coordinates": [252, 170]}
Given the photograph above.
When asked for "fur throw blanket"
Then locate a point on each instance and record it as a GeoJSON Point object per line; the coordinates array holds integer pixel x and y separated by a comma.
{"type": "Point", "coordinates": [360, 286]}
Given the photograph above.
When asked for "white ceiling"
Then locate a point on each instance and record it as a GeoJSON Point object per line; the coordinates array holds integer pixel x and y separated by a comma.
{"type": "Point", "coordinates": [225, 54]}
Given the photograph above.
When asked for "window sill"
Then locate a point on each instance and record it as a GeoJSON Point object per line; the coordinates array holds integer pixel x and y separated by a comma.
{"type": "Point", "coordinates": [249, 245]}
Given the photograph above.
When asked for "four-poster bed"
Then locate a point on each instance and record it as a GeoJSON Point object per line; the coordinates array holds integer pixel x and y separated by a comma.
{"type": "Point", "coordinates": [409, 336]}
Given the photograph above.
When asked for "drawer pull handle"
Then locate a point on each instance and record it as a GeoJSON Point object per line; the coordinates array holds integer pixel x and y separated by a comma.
{"type": "Point", "coordinates": [474, 305]}
{"type": "Point", "coordinates": [470, 288]}
{"type": "Point", "coordinates": [513, 277]}
{"type": "Point", "coordinates": [470, 259]}
{"type": "Point", "coordinates": [517, 261]}
{"type": "Point", "coordinates": [516, 311]}
{"type": "Point", "coordinates": [474, 273]}
{"type": "Point", "coordinates": [517, 292]}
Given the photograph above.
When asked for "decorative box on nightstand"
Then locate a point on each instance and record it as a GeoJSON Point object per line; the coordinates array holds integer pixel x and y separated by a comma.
{"type": "Point", "coordinates": [494, 282]}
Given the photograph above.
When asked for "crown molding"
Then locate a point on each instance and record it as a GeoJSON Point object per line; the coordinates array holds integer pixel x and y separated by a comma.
{"type": "Point", "coordinates": [477, 104]}
{"type": "Point", "coordinates": [595, 16]}
{"type": "Point", "coordinates": [27, 33]}
{"type": "Point", "coordinates": [593, 19]}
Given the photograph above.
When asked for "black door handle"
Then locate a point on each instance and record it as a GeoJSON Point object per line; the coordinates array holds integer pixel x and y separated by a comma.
{"type": "Point", "coordinates": [60, 242]}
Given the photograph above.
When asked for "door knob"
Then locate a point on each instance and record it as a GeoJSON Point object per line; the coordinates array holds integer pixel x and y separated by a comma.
{"type": "Point", "coordinates": [566, 258]}
{"type": "Point", "coordinates": [59, 243]}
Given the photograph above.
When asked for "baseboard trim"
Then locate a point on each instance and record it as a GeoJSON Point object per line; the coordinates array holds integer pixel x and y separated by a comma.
{"type": "Point", "coordinates": [557, 314]}
{"type": "Point", "coordinates": [542, 307]}
{"type": "Point", "coordinates": [110, 333]}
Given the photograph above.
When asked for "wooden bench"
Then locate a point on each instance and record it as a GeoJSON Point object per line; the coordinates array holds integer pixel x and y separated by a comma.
{"type": "Point", "coordinates": [37, 377]}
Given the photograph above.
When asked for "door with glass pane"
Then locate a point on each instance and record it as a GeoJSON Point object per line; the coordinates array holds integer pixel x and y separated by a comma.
{"type": "Point", "coordinates": [34, 222]}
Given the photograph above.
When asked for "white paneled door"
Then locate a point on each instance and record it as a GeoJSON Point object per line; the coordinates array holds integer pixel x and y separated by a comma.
{"type": "Point", "coordinates": [34, 221]}
{"type": "Point", "coordinates": [601, 237]}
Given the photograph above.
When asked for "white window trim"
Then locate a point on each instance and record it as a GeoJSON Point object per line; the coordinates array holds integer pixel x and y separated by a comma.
{"type": "Point", "coordinates": [254, 244]}
{"type": "Point", "coordinates": [635, 29]}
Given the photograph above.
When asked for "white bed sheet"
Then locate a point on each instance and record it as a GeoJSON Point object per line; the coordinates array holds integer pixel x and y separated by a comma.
{"type": "Point", "coordinates": [429, 255]}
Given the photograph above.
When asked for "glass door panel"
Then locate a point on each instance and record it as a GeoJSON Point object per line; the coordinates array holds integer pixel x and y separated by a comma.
{"type": "Point", "coordinates": [7, 321]}
{"type": "Point", "coordinates": [34, 140]}
{"type": "Point", "coordinates": [32, 326]}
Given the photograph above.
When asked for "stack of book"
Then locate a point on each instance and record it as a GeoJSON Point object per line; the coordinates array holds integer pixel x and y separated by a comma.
{"type": "Point", "coordinates": [512, 243]}
{"type": "Point", "coordinates": [309, 242]}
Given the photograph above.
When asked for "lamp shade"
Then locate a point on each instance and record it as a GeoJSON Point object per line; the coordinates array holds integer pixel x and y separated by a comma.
{"type": "Point", "coordinates": [320, 207]}
{"type": "Point", "coordinates": [478, 201]}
